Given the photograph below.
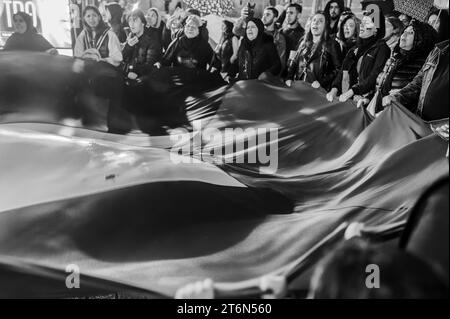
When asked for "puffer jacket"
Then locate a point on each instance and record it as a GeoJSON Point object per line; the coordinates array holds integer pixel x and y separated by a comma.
{"type": "Point", "coordinates": [363, 72]}
{"type": "Point", "coordinates": [413, 95]}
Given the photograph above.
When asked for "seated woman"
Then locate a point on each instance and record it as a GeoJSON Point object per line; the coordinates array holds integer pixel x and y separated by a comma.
{"type": "Point", "coordinates": [257, 53]}
{"type": "Point", "coordinates": [348, 33]}
{"type": "Point", "coordinates": [318, 59]}
{"type": "Point", "coordinates": [190, 50]}
{"type": "Point", "coordinates": [362, 64]}
{"type": "Point", "coordinates": [140, 52]}
{"type": "Point", "coordinates": [25, 36]}
{"type": "Point", "coordinates": [97, 41]}
{"type": "Point", "coordinates": [408, 57]}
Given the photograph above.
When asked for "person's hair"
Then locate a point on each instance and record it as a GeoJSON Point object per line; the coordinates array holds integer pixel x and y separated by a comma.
{"type": "Point", "coordinates": [425, 37]}
{"type": "Point", "coordinates": [194, 12]}
{"type": "Point", "coordinates": [343, 274]}
{"type": "Point", "coordinates": [194, 18]}
{"type": "Point", "coordinates": [28, 21]}
{"type": "Point", "coordinates": [297, 7]}
{"type": "Point", "coordinates": [101, 24]}
{"type": "Point", "coordinates": [137, 14]}
{"type": "Point", "coordinates": [116, 12]}
{"type": "Point", "coordinates": [308, 39]}
{"type": "Point", "coordinates": [274, 11]}
{"type": "Point", "coordinates": [228, 29]}
{"type": "Point", "coordinates": [397, 24]}
{"type": "Point", "coordinates": [349, 16]}
{"type": "Point", "coordinates": [443, 19]}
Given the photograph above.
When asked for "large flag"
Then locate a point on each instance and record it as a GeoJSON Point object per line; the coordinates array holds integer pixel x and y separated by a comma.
{"type": "Point", "coordinates": [146, 213]}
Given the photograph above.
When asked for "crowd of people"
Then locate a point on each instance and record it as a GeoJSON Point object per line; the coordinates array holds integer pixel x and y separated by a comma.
{"type": "Point", "coordinates": [372, 61]}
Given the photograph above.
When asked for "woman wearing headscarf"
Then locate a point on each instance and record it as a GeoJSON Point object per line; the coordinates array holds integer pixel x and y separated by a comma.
{"type": "Point", "coordinates": [155, 25]}
{"type": "Point", "coordinates": [190, 50]}
{"type": "Point", "coordinates": [226, 48]}
{"type": "Point", "coordinates": [97, 41]}
{"type": "Point", "coordinates": [348, 33]}
{"type": "Point", "coordinates": [318, 59]}
{"type": "Point", "coordinates": [257, 52]}
{"type": "Point", "coordinates": [363, 63]}
{"type": "Point", "coordinates": [438, 19]}
{"type": "Point", "coordinates": [406, 60]}
{"type": "Point", "coordinates": [140, 52]}
{"type": "Point", "coordinates": [25, 36]}
{"type": "Point", "coordinates": [394, 30]}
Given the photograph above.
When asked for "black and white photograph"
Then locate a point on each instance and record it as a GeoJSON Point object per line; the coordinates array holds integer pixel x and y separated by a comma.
{"type": "Point", "coordinates": [236, 152]}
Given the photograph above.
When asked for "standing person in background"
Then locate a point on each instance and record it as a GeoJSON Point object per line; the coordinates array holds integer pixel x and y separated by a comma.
{"type": "Point", "coordinates": [394, 29]}
{"type": "Point", "coordinates": [318, 59]}
{"type": "Point", "coordinates": [154, 23]}
{"type": "Point", "coordinates": [348, 33]}
{"type": "Point", "coordinates": [140, 52]}
{"type": "Point", "coordinates": [114, 13]}
{"type": "Point", "coordinates": [257, 53]}
{"type": "Point", "coordinates": [25, 36]}
{"type": "Point", "coordinates": [97, 41]}
{"type": "Point", "coordinates": [227, 51]}
{"type": "Point", "coordinates": [438, 19]}
{"type": "Point", "coordinates": [363, 63]}
{"type": "Point", "coordinates": [333, 10]}
{"type": "Point", "coordinates": [292, 30]}
{"type": "Point", "coordinates": [75, 16]}
{"type": "Point", "coordinates": [269, 19]}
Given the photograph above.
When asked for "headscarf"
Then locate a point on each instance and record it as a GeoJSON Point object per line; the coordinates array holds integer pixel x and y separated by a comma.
{"type": "Point", "coordinates": [158, 22]}
{"type": "Point", "coordinates": [28, 41]}
{"type": "Point", "coordinates": [247, 44]}
{"type": "Point", "coordinates": [425, 37]}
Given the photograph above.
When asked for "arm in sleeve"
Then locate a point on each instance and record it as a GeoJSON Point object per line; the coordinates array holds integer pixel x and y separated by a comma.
{"type": "Point", "coordinates": [335, 64]}
{"type": "Point", "coordinates": [79, 45]}
{"type": "Point", "coordinates": [115, 52]}
{"type": "Point", "coordinates": [238, 28]}
{"type": "Point", "coordinates": [409, 95]}
{"type": "Point", "coordinates": [274, 60]}
{"type": "Point", "coordinates": [368, 84]}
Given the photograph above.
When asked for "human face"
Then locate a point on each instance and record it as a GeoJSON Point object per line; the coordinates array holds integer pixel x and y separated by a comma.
{"type": "Point", "coordinates": [268, 18]}
{"type": "Point", "coordinates": [152, 18]}
{"type": "Point", "coordinates": [349, 28]}
{"type": "Point", "coordinates": [252, 31]}
{"type": "Point", "coordinates": [335, 11]}
{"type": "Point", "coordinates": [367, 28]}
{"type": "Point", "coordinates": [191, 30]}
{"type": "Point", "coordinates": [318, 25]}
{"type": "Point", "coordinates": [434, 22]}
{"type": "Point", "coordinates": [407, 39]}
{"type": "Point", "coordinates": [292, 15]}
{"type": "Point", "coordinates": [389, 29]}
{"type": "Point", "coordinates": [92, 19]}
{"type": "Point", "coordinates": [136, 25]}
{"type": "Point", "coordinates": [20, 26]}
